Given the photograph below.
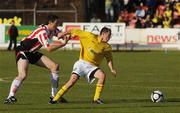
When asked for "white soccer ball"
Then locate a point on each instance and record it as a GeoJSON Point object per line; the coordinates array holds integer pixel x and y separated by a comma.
{"type": "Point", "coordinates": [157, 96]}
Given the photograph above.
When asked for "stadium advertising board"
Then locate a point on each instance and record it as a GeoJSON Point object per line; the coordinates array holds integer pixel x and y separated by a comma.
{"type": "Point", "coordinates": [22, 30]}
{"type": "Point", "coordinates": [118, 30]}
{"type": "Point", "coordinates": [7, 21]}
{"type": "Point", "coordinates": [161, 36]}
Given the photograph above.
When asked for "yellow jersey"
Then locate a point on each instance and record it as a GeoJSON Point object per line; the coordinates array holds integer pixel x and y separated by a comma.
{"type": "Point", "coordinates": [92, 49]}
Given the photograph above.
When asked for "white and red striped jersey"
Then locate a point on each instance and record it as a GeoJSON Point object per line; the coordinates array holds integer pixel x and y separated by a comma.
{"type": "Point", "coordinates": [38, 38]}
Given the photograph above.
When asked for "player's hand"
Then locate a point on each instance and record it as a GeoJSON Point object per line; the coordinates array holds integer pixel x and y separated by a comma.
{"type": "Point", "coordinates": [113, 71]}
{"type": "Point", "coordinates": [64, 40]}
{"type": "Point", "coordinates": [60, 35]}
{"type": "Point", "coordinates": [67, 38]}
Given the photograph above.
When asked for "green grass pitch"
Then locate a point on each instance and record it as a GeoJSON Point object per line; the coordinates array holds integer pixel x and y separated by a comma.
{"type": "Point", "coordinates": [139, 73]}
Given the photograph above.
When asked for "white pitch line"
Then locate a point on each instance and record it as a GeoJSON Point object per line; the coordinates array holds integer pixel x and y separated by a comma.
{"type": "Point", "coordinates": [114, 85]}
{"type": "Point", "coordinates": [1, 80]}
{"type": "Point", "coordinates": [4, 80]}
{"type": "Point", "coordinates": [107, 85]}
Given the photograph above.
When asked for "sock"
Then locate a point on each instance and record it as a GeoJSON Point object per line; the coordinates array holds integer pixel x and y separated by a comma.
{"type": "Point", "coordinates": [60, 93]}
{"type": "Point", "coordinates": [14, 87]}
{"type": "Point", "coordinates": [54, 83]}
{"type": "Point", "coordinates": [99, 88]}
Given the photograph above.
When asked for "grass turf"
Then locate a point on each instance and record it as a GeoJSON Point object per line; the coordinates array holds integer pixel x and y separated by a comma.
{"type": "Point", "coordinates": [139, 73]}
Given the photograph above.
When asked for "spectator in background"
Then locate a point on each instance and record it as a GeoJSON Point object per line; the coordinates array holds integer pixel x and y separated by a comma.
{"type": "Point", "coordinates": [150, 13]}
{"type": "Point", "coordinates": [176, 14]}
{"type": "Point", "coordinates": [125, 16]}
{"type": "Point", "coordinates": [147, 22]}
{"type": "Point", "coordinates": [160, 10]}
{"type": "Point", "coordinates": [118, 5]}
{"type": "Point", "coordinates": [13, 34]}
{"type": "Point", "coordinates": [151, 4]}
{"type": "Point", "coordinates": [132, 23]}
{"type": "Point", "coordinates": [109, 11]}
{"type": "Point", "coordinates": [177, 7]}
{"type": "Point", "coordinates": [167, 19]}
{"type": "Point", "coordinates": [95, 19]}
{"type": "Point", "coordinates": [140, 12]}
{"type": "Point", "coordinates": [138, 23]}
{"type": "Point", "coordinates": [157, 20]}
{"type": "Point", "coordinates": [120, 19]}
{"type": "Point", "coordinates": [166, 22]}
{"type": "Point", "coordinates": [130, 5]}
{"type": "Point", "coordinates": [168, 12]}
{"type": "Point", "coordinates": [175, 22]}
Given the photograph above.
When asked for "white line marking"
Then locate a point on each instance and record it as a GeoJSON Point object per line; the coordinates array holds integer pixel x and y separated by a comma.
{"type": "Point", "coordinates": [107, 85]}
{"type": "Point", "coordinates": [5, 79]}
{"type": "Point", "coordinates": [1, 80]}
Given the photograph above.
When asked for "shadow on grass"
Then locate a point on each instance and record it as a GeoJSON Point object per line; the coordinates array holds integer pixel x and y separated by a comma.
{"type": "Point", "coordinates": [173, 100]}
{"type": "Point", "coordinates": [113, 101]}
{"type": "Point", "coordinates": [87, 105]}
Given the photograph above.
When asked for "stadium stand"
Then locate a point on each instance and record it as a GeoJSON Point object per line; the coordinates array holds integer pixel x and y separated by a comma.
{"type": "Point", "coordinates": [135, 13]}
{"type": "Point", "coordinates": [149, 13]}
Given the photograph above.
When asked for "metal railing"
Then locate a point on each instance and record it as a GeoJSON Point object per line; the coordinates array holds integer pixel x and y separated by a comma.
{"type": "Point", "coordinates": [35, 11]}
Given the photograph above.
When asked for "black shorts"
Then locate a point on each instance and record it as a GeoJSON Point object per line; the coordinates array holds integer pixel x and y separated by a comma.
{"type": "Point", "coordinates": [32, 57]}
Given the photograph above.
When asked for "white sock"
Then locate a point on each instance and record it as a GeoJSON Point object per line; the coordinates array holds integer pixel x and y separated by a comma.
{"type": "Point", "coordinates": [14, 87]}
{"type": "Point", "coordinates": [54, 83]}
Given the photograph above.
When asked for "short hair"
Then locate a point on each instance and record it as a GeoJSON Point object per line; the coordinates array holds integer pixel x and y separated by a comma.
{"type": "Point", "coordinates": [105, 30]}
{"type": "Point", "coordinates": [52, 18]}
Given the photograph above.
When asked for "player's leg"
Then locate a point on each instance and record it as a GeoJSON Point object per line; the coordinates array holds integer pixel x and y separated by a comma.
{"type": "Point", "coordinates": [22, 66]}
{"type": "Point", "coordinates": [15, 43]}
{"type": "Point", "coordinates": [73, 79]}
{"type": "Point", "coordinates": [76, 73]}
{"type": "Point", "coordinates": [10, 44]}
{"type": "Point", "coordinates": [101, 76]}
{"type": "Point", "coordinates": [54, 68]}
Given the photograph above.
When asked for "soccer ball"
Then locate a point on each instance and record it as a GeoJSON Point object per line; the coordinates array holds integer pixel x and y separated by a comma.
{"type": "Point", "coordinates": [157, 96]}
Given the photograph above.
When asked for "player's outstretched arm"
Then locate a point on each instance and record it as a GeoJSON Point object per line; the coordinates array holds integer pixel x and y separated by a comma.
{"type": "Point", "coordinates": [63, 34]}
{"type": "Point", "coordinates": [110, 65]}
{"type": "Point", "coordinates": [58, 44]}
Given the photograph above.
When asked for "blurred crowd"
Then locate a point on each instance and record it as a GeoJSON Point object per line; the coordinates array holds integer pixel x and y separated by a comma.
{"type": "Point", "coordinates": [144, 13]}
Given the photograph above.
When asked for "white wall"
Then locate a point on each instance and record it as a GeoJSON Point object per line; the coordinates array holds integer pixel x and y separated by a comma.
{"type": "Point", "coordinates": [152, 36]}
{"type": "Point", "coordinates": [149, 36]}
{"type": "Point", "coordinates": [2, 33]}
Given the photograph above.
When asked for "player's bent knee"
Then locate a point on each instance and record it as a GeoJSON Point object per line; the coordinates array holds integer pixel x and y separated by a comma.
{"type": "Point", "coordinates": [72, 80]}
{"type": "Point", "coordinates": [55, 67]}
{"type": "Point", "coordinates": [100, 75]}
{"type": "Point", "coordinates": [103, 75]}
{"type": "Point", "coordinates": [70, 83]}
{"type": "Point", "coordinates": [102, 78]}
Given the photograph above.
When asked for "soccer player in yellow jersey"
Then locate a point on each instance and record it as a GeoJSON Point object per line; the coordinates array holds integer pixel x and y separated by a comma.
{"type": "Point", "coordinates": [93, 49]}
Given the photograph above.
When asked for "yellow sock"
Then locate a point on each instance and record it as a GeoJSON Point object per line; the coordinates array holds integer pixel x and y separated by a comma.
{"type": "Point", "coordinates": [99, 88]}
{"type": "Point", "coordinates": [60, 93]}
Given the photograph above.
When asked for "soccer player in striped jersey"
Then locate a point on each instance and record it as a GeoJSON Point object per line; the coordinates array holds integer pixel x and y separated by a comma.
{"type": "Point", "coordinates": [27, 52]}
{"type": "Point", "coordinates": [93, 49]}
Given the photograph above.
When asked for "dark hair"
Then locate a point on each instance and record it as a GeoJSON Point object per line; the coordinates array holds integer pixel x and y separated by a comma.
{"type": "Point", "coordinates": [105, 30]}
{"type": "Point", "coordinates": [52, 18]}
